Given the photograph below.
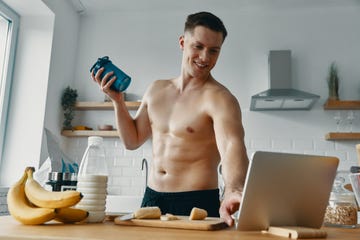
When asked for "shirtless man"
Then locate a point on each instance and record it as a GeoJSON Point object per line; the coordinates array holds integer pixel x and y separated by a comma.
{"type": "Point", "coordinates": [194, 122]}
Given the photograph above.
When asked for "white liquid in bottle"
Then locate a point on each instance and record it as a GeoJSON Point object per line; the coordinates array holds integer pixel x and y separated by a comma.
{"type": "Point", "coordinates": [92, 180]}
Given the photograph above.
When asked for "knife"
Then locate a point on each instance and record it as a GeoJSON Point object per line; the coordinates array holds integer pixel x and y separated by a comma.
{"type": "Point", "coordinates": [143, 213]}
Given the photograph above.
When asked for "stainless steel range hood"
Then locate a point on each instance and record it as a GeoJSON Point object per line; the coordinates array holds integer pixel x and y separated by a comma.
{"type": "Point", "coordinates": [281, 95]}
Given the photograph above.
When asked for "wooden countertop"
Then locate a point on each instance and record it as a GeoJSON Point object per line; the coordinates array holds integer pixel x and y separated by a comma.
{"type": "Point", "coordinates": [11, 229]}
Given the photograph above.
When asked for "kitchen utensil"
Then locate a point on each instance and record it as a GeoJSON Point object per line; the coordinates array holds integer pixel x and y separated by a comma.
{"type": "Point", "coordinates": [208, 224]}
{"type": "Point", "coordinates": [127, 217]}
{"type": "Point", "coordinates": [143, 213]}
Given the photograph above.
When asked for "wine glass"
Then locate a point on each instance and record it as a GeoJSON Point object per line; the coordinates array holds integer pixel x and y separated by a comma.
{"type": "Point", "coordinates": [337, 118]}
{"type": "Point", "coordinates": [350, 118]}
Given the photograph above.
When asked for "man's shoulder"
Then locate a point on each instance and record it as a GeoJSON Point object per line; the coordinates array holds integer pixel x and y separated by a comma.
{"type": "Point", "coordinates": [216, 89]}
{"type": "Point", "coordinates": [220, 96]}
{"type": "Point", "coordinates": [157, 87]}
{"type": "Point", "coordinates": [161, 83]}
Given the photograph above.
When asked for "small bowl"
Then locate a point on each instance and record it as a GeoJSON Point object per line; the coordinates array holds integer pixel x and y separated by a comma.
{"type": "Point", "coordinates": [105, 127]}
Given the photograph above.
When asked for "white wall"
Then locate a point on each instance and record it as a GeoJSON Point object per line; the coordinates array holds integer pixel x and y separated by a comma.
{"type": "Point", "coordinates": [28, 92]}
{"type": "Point", "coordinates": [44, 67]}
{"type": "Point", "coordinates": [62, 65]}
{"type": "Point", "coordinates": [143, 42]}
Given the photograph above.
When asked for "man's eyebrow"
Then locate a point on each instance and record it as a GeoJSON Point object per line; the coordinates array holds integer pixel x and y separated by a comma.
{"type": "Point", "coordinates": [200, 43]}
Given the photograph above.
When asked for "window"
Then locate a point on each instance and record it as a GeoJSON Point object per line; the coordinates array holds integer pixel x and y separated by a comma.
{"type": "Point", "coordinates": [9, 24]}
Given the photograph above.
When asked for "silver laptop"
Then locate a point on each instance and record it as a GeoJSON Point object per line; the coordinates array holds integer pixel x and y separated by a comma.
{"type": "Point", "coordinates": [283, 189]}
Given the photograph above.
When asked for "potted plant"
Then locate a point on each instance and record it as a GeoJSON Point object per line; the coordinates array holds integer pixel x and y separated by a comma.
{"type": "Point", "coordinates": [333, 82]}
{"type": "Point", "coordinates": [68, 101]}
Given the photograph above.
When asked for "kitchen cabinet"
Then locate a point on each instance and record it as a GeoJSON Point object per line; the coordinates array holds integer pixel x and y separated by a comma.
{"type": "Point", "coordinates": [342, 105]}
{"type": "Point", "coordinates": [96, 106]}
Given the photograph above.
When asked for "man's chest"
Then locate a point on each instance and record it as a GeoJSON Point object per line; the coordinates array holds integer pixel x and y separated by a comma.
{"type": "Point", "coordinates": [179, 116]}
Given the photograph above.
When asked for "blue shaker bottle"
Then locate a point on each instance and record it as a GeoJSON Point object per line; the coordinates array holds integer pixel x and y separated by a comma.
{"type": "Point", "coordinates": [122, 80]}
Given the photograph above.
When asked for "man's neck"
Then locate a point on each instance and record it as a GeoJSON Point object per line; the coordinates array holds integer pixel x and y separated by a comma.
{"type": "Point", "coordinates": [184, 82]}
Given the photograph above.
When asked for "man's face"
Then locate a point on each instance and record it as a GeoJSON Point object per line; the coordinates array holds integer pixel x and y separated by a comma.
{"type": "Point", "coordinates": [201, 50]}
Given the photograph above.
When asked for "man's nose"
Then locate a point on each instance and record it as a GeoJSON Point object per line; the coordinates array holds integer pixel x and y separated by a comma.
{"type": "Point", "coordinates": [204, 55]}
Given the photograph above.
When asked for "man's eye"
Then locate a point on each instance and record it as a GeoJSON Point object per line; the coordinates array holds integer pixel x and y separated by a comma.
{"type": "Point", "coordinates": [198, 46]}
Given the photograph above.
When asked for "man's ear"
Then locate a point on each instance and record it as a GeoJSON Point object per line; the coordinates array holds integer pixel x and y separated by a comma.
{"type": "Point", "coordinates": [181, 42]}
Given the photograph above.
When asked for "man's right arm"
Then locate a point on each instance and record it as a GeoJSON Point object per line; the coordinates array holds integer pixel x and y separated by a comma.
{"type": "Point", "coordinates": [132, 131]}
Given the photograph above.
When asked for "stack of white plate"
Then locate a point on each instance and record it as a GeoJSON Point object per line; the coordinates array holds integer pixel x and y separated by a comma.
{"type": "Point", "coordinates": [94, 191]}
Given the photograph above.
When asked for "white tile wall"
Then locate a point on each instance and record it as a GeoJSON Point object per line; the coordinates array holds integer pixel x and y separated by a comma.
{"type": "Point", "coordinates": [126, 177]}
{"type": "Point", "coordinates": [3, 205]}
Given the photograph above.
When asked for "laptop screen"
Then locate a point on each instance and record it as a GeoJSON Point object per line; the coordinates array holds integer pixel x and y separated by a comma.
{"type": "Point", "coordinates": [284, 189]}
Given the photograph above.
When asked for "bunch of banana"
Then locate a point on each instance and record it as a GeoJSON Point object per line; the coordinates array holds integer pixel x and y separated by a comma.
{"type": "Point", "coordinates": [29, 203]}
{"type": "Point", "coordinates": [22, 210]}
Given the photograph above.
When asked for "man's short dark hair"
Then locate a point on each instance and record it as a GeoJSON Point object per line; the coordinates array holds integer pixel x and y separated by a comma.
{"type": "Point", "coordinates": [207, 20]}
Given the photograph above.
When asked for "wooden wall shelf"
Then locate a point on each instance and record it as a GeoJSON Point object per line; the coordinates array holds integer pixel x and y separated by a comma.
{"type": "Point", "coordinates": [91, 106]}
{"type": "Point", "coordinates": [342, 105]}
{"type": "Point", "coordinates": [342, 136]}
{"type": "Point", "coordinates": [85, 106]}
{"type": "Point", "coordinates": [88, 133]}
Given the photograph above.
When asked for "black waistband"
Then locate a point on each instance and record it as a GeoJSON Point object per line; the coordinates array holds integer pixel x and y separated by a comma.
{"type": "Point", "coordinates": [181, 203]}
{"type": "Point", "coordinates": [196, 193]}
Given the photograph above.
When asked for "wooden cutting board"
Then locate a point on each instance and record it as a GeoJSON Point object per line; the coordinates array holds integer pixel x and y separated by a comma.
{"type": "Point", "coordinates": [208, 224]}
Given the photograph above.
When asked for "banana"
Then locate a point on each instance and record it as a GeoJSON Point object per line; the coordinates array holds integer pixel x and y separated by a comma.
{"type": "Point", "coordinates": [43, 198]}
{"type": "Point", "coordinates": [198, 214]}
{"type": "Point", "coordinates": [22, 210]}
{"type": "Point", "coordinates": [148, 212]}
{"type": "Point", "coordinates": [70, 215]}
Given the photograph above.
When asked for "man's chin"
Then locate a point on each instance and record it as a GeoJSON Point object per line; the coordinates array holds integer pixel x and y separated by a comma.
{"type": "Point", "coordinates": [201, 73]}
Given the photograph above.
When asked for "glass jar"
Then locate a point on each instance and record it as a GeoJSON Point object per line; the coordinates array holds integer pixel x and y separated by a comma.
{"type": "Point", "coordinates": [342, 208]}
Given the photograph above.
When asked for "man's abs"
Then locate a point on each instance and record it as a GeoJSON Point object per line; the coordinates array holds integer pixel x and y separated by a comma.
{"type": "Point", "coordinates": [184, 167]}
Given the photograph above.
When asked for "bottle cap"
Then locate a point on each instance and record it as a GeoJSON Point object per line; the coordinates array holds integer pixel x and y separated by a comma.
{"type": "Point", "coordinates": [95, 140]}
{"type": "Point", "coordinates": [100, 63]}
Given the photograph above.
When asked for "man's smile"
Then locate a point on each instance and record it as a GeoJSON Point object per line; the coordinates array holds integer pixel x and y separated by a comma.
{"type": "Point", "coordinates": [201, 65]}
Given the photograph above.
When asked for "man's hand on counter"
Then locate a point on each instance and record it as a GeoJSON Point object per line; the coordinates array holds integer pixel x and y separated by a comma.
{"type": "Point", "coordinates": [229, 206]}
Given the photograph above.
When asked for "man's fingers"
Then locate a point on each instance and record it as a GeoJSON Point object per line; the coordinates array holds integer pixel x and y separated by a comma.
{"type": "Point", "coordinates": [227, 218]}
{"type": "Point", "coordinates": [97, 77]}
{"type": "Point", "coordinates": [105, 85]}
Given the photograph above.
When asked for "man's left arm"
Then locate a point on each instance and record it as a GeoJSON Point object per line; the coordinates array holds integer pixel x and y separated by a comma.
{"type": "Point", "coordinates": [229, 134]}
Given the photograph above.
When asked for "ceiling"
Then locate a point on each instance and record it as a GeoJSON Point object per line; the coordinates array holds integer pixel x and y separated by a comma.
{"type": "Point", "coordinates": [36, 7]}
{"type": "Point", "coordinates": [93, 6]}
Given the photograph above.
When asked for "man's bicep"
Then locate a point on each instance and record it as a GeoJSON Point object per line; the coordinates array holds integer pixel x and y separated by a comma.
{"type": "Point", "coordinates": [142, 123]}
{"type": "Point", "coordinates": [228, 125]}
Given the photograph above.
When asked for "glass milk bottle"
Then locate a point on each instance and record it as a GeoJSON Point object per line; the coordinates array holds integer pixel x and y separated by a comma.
{"type": "Point", "coordinates": [92, 180]}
